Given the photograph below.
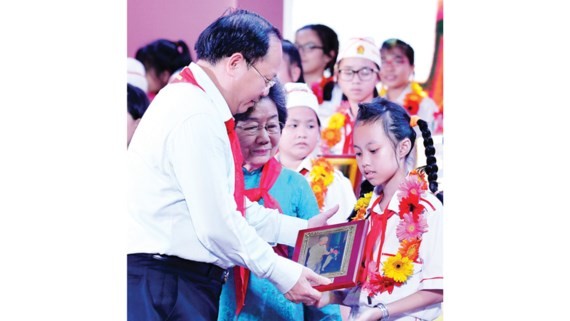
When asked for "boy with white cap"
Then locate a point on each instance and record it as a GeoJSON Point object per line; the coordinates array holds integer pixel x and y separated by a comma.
{"type": "Point", "coordinates": [298, 148]}
{"type": "Point", "coordinates": [136, 74]}
{"type": "Point", "coordinates": [357, 73]}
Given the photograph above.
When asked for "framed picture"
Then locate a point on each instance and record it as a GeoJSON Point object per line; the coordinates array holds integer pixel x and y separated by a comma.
{"type": "Point", "coordinates": [333, 251]}
{"type": "Point", "coordinates": [348, 166]}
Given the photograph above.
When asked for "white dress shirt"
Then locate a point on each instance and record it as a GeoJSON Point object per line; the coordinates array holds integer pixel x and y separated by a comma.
{"type": "Point", "coordinates": [181, 185]}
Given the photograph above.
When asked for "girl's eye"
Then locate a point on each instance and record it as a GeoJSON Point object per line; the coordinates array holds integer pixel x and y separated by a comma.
{"type": "Point", "coordinates": [358, 154]}
{"type": "Point", "coordinates": [311, 126]}
{"type": "Point", "coordinates": [373, 151]}
{"type": "Point", "coordinates": [291, 126]}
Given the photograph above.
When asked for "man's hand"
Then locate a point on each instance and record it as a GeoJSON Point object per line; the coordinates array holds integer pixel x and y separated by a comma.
{"type": "Point", "coordinates": [303, 290]}
{"type": "Point", "coordinates": [321, 219]}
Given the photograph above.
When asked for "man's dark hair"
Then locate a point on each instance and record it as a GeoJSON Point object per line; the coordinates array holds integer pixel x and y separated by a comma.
{"type": "Point", "coordinates": [137, 101]}
{"type": "Point", "coordinates": [237, 31]}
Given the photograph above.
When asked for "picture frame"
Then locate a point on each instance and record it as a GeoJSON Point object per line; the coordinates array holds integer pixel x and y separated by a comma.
{"type": "Point", "coordinates": [348, 166]}
{"type": "Point", "coordinates": [333, 251]}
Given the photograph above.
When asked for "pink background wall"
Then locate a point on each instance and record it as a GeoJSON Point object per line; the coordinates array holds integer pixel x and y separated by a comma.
{"type": "Point", "coordinates": [148, 20]}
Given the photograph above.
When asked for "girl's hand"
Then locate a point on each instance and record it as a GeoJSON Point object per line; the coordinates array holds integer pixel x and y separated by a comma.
{"type": "Point", "coordinates": [372, 314]}
{"type": "Point", "coordinates": [331, 297]}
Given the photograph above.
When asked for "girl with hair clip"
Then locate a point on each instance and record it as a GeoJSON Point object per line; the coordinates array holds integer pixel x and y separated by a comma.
{"type": "Point", "coordinates": [318, 46]}
{"type": "Point", "coordinates": [397, 74]}
{"type": "Point", "coordinates": [162, 59]}
{"type": "Point", "coordinates": [357, 73]}
{"type": "Point", "coordinates": [401, 274]}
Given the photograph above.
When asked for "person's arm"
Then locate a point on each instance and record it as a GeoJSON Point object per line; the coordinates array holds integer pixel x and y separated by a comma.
{"type": "Point", "coordinates": [200, 159]}
{"type": "Point", "coordinates": [417, 300]}
{"type": "Point", "coordinates": [283, 229]}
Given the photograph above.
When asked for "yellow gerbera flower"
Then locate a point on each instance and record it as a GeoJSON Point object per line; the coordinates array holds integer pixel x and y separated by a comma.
{"type": "Point", "coordinates": [398, 268]}
{"type": "Point", "coordinates": [336, 121]}
{"type": "Point", "coordinates": [417, 88]}
{"type": "Point", "coordinates": [363, 202]}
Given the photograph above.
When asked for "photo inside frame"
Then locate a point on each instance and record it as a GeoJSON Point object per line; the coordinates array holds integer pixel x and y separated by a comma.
{"type": "Point", "coordinates": [328, 252]}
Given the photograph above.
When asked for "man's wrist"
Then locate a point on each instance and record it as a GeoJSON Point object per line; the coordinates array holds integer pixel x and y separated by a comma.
{"type": "Point", "coordinates": [384, 310]}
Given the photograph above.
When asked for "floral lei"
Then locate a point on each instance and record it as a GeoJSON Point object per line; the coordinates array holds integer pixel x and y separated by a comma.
{"type": "Point", "coordinates": [331, 135]}
{"type": "Point", "coordinates": [321, 175]}
{"type": "Point", "coordinates": [399, 268]}
{"type": "Point", "coordinates": [413, 99]}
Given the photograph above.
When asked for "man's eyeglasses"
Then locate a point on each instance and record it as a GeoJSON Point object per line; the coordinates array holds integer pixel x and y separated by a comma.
{"type": "Point", "coordinates": [364, 73]}
{"type": "Point", "coordinates": [268, 82]}
{"type": "Point", "coordinates": [252, 129]}
{"type": "Point", "coordinates": [307, 47]}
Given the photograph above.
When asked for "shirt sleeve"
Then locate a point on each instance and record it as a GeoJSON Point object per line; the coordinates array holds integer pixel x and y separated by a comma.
{"type": "Point", "coordinates": [427, 111]}
{"type": "Point", "coordinates": [432, 246]}
{"type": "Point", "coordinates": [272, 226]}
{"type": "Point", "coordinates": [201, 160]}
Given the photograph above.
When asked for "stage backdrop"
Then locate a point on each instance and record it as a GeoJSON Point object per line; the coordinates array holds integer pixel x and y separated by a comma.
{"type": "Point", "coordinates": [148, 20]}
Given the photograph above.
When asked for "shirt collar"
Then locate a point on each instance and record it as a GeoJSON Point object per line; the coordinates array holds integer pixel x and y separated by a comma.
{"type": "Point", "coordinates": [212, 91]}
{"type": "Point", "coordinates": [393, 205]}
{"type": "Point", "coordinates": [306, 163]}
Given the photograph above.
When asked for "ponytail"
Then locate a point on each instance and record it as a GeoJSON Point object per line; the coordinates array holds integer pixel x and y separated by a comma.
{"type": "Point", "coordinates": [431, 162]}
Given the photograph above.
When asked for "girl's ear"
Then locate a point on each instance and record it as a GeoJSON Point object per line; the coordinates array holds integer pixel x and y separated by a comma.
{"type": "Point", "coordinates": [404, 147]}
{"type": "Point", "coordinates": [164, 76]}
{"type": "Point", "coordinates": [295, 72]}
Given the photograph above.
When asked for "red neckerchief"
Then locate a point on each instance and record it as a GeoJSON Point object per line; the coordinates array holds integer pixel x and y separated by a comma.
{"type": "Point", "coordinates": [269, 175]}
{"type": "Point", "coordinates": [187, 76]}
{"type": "Point", "coordinates": [377, 229]}
{"type": "Point", "coordinates": [319, 87]}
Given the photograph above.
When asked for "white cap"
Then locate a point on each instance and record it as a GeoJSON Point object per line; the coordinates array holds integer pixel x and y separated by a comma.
{"type": "Point", "coordinates": [360, 48]}
{"type": "Point", "coordinates": [136, 74]}
{"type": "Point", "coordinates": [300, 95]}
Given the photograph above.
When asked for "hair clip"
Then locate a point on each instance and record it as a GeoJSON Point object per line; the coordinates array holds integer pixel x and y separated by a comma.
{"type": "Point", "coordinates": [414, 120]}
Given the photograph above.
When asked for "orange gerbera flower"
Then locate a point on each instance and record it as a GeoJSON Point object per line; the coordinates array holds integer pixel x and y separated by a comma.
{"type": "Point", "coordinates": [410, 248]}
{"type": "Point", "coordinates": [331, 136]}
{"type": "Point", "coordinates": [319, 190]}
{"type": "Point", "coordinates": [412, 103]}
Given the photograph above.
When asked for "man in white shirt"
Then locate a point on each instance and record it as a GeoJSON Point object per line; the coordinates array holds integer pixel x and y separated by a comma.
{"type": "Point", "coordinates": [185, 227]}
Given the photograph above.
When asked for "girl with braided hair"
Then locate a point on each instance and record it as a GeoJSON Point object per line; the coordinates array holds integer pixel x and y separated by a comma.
{"type": "Point", "coordinates": [401, 271]}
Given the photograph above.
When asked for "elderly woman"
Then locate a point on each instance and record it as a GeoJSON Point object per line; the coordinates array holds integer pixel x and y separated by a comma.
{"type": "Point", "coordinates": [266, 181]}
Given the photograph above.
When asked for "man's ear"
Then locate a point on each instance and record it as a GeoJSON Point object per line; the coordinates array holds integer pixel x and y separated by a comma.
{"type": "Point", "coordinates": [234, 64]}
{"type": "Point", "coordinates": [404, 147]}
